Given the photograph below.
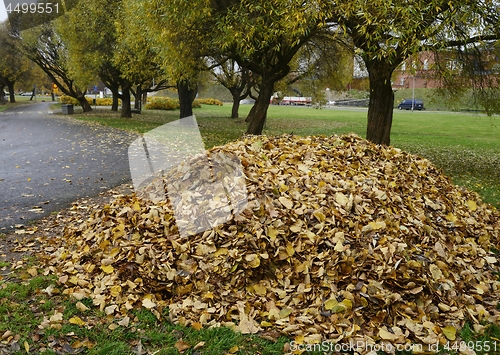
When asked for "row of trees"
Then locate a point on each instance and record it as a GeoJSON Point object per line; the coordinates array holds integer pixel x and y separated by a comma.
{"type": "Point", "coordinates": [253, 47]}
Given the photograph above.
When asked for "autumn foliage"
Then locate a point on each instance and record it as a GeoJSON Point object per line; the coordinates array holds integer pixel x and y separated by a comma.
{"type": "Point", "coordinates": [342, 240]}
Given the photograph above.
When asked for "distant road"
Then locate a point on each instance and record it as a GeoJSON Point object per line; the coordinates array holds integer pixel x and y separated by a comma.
{"type": "Point", "coordinates": [47, 162]}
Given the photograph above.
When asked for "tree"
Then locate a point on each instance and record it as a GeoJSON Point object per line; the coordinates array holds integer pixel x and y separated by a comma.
{"type": "Point", "coordinates": [12, 63]}
{"type": "Point", "coordinates": [44, 47]}
{"type": "Point", "coordinates": [237, 80]}
{"type": "Point", "coordinates": [261, 36]}
{"type": "Point", "coordinates": [91, 36]}
{"type": "Point", "coordinates": [264, 37]}
{"type": "Point", "coordinates": [135, 55]}
{"type": "Point", "coordinates": [386, 32]}
{"type": "Point", "coordinates": [323, 62]}
{"type": "Point", "coordinates": [182, 49]}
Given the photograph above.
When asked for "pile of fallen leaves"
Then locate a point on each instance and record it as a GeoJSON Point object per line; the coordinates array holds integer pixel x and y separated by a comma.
{"type": "Point", "coordinates": [341, 240]}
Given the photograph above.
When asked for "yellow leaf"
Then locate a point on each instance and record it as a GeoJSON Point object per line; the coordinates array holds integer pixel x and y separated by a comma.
{"type": "Point", "coordinates": [81, 307]}
{"type": "Point", "coordinates": [449, 332]}
{"type": "Point", "coordinates": [114, 252]}
{"type": "Point", "coordinates": [299, 339]}
{"type": "Point", "coordinates": [208, 296]}
{"type": "Point", "coordinates": [77, 344]}
{"type": "Point", "coordinates": [221, 251]}
{"type": "Point", "coordinates": [272, 234]}
{"type": "Point", "coordinates": [332, 302]}
{"type": "Point", "coordinates": [136, 206]}
{"type": "Point", "coordinates": [115, 290]}
{"type": "Point", "coordinates": [197, 325]}
{"type": "Point", "coordinates": [77, 320]}
{"type": "Point", "coordinates": [285, 312]}
{"type": "Point", "coordinates": [472, 205]}
{"type": "Point", "coordinates": [26, 347]}
{"type": "Point", "coordinates": [346, 303]}
{"type": "Point", "coordinates": [32, 271]}
{"type": "Point", "coordinates": [108, 269]}
{"type": "Point", "coordinates": [319, 215]}
{"type": "Point", "coordinates": [234, 349]}
{"type": "Point", "coordinates": [451, 217]}
{"type": "Point", "coordinates": [260, 289]}
{"type": "Point", "coordinates": [289, 249]}
{"type": "Point", "coordinates": [435, 272]}
{"type": "Point", "coordinates": [112, 326]}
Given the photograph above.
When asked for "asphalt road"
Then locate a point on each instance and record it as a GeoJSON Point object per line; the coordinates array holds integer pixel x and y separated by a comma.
{"type": "Point", "coordinates": [47, 161]}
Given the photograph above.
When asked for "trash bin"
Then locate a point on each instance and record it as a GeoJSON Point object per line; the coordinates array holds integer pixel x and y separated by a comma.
{"type": "Point", "coordinates": [67, 109]}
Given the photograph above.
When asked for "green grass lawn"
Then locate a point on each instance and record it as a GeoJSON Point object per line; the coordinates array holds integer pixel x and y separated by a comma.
{"type": "Point", "coordinates": [465, 145]}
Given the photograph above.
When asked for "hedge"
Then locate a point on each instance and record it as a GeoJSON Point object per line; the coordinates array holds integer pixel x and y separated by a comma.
{"type": "Point", "coordinates": [99, 101]}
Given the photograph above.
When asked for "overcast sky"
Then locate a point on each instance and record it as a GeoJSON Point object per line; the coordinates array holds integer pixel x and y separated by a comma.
{"type": "Point", "coordinates": [3, 12]}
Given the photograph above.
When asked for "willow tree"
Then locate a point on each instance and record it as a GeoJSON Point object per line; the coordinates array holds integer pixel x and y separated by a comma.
{"type": "Point", "coordinates": [260, 35]}
{"type": "Point", "coordinates": [387, 32]}
{"type": "Point", "coordinates": [43, 46]}
{"type": "Point", "coordinates": [180, 47]}
{"type": "Point", "coordinates": [90, 34]}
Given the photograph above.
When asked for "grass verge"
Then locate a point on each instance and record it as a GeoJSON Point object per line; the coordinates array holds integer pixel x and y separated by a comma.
{"type": "Point", "coordinates": [36, 319]}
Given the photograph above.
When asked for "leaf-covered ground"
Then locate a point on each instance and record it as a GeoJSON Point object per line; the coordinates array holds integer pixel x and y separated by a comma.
{"type": "Point", "coordinates": [341, 240]}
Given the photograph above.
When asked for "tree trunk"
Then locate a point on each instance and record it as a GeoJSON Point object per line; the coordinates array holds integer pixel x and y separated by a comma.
{"type": "Point", "coordinates": [115, 92]}
{"type": "Point", "coordinates": [187, 93]}
{"type": "Point", "coordinates": [138, 98]}
{"type": "Point", "coordinates": [236, 104]}
{"type": "Point", "coordinates": [12, 94]}
{"type": "Point", "coordinates": [82, 100]}
{"type": "Point", "coordinates": [381, 105]}
{"type": "Point", "coordinates": [2, 96]}
{"type": "Point", "coordinates": [125, 96]}
{"type": "Point", "coordinates": [258, 114]}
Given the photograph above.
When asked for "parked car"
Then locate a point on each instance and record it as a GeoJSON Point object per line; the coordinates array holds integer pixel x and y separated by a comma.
{"type": "Point", "coordinates": [26, 94]}
{"type": "Point", "coordinates": [408, 104]}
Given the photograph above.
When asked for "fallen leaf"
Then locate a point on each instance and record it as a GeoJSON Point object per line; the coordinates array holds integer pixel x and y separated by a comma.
{"type": "Point", "coordinates": [449, 332]}
{"type": "Point", "coordinates": [77, 320]}
{"type": "Point", "coordinates": [181, 346]}
{"type": "Point", "coordinates": [108, 269]}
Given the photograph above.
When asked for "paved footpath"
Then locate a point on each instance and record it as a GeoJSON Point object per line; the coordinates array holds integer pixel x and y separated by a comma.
{"type": "Point", "coordinates": [48, 161]}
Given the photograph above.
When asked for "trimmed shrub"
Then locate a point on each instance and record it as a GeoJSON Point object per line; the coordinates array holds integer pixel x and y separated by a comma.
{"type": "Point", "coordinates": [107, 101]}
{"type": "Point", "coordinates": [214, 102]}
{"type": "Point", "coordinates": [162, 103]}
{"type": "Point", "coordinates": [166, 103]}
{"type": "Point", "coordinates": [71, 100]}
